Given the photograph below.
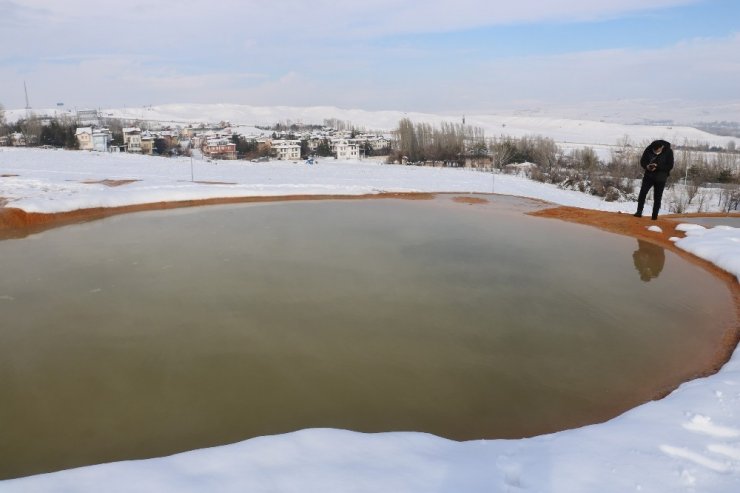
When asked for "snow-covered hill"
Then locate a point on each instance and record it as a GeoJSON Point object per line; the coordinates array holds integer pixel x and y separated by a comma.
{"type": "Point", "coordinates": [563, 130]}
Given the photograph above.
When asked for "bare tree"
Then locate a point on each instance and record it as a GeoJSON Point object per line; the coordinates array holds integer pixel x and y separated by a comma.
{"type": "Point", "coordinates": [700, 202]}
{"type": "Point", "coordinates": [503, 151]}
{"type": "Point", "coordinates": [729, 199]}
{"type": "Point", "coordinates": [451, 142]}
{"type": "Point", "coordinates": [3, 128]}
{"type": "Point", "coordinates": [692, 188]}
{"type": "Point", "coordinates": [585, 158]}
{"type": "Point", "coordinates": [31, 128]}
{"type": "Point", "coordinates": [405, 140]}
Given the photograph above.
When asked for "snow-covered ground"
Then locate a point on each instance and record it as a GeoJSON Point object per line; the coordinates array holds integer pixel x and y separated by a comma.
{"type": "Point", "coordinates": [686, 442]}
{"type": "Point", "coordinates": [53, 181]}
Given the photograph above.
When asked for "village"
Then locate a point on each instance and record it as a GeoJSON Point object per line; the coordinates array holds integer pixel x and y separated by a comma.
{"type": "Point", "coordinates": [222, 141]}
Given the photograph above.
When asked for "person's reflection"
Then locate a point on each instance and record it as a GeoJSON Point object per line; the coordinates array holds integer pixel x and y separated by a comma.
{"type": "Point", "coordinates": [649, 260]}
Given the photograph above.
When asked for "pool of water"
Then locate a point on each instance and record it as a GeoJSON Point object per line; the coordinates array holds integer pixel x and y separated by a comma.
{"type": "Point", "coordinates": [152, 333]}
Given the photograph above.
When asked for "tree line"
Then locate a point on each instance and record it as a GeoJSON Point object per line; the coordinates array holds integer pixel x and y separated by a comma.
{"type": "Point", "coordinates": [57, 132]}
{"type": "Point", "coordinates": [449, 143]}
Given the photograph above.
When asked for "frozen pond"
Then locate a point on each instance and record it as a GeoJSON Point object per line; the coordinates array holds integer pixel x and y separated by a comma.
{"type": "Point", "coordinates": [152, 333]}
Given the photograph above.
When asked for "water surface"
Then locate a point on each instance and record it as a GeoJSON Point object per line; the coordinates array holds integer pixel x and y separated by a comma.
{"type": "Point", "coordinates": [152, 333]}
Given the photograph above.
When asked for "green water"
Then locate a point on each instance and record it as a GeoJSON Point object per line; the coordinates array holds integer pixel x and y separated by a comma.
{"type": "Point", "coordinates": [153, 333]}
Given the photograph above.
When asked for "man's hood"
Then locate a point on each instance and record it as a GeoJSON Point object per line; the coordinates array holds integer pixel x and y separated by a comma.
{"type": "Point", "coordinates": [657, 143]}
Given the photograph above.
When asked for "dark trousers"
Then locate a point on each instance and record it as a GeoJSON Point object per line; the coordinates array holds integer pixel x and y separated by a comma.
{"type": "Point", "coordinates": [648, 182]}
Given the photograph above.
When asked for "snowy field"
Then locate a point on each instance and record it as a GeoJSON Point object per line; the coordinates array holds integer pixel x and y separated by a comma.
{"type": "Point", "coordinates": [54, 180]}
{"type": "Point", "coordinates": [686, 442]}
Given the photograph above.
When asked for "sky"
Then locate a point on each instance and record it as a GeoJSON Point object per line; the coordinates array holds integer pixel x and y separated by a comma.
{"type": "Point", "coordinates": [414, 55]}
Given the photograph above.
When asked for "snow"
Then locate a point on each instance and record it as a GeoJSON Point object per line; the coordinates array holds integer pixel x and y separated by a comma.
{"type": "Point", "coordinates": [688, 441]}
{"type": "Point", "coordinates": [654, 229]}
{"type": "Point", "coordinates": [52, 181]}
{"type": "Point", "coordinates": [719, 245]}
{"type": "Point", "coordinates": [689, 227]}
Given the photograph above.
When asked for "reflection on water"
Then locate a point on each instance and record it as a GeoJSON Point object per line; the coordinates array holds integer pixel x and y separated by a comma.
{"type": "Point", "coordinates": [149, 334]}
{"type": "Point", "coordinates": [649, 260]}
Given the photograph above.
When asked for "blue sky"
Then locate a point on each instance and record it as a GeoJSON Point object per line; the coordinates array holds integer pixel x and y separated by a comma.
{"type": "Point", "coordinates": [652, 29]}
{"type": "Point", "coordinates": [433, 55]}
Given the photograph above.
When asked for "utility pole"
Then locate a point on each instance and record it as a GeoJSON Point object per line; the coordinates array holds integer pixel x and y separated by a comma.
{"type": "Point", "coordinates": [25, 89]}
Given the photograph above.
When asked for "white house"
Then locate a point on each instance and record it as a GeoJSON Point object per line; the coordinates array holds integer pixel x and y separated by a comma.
{"type": "Point", "coordinates": [101, 139]}
{"type": "Point", "coordinates": [344, 149]}
{"type": "Point", "coordinates": [132, 139]}
{"type": "Point", "coordinates": [84, 138]}
{"type": "Point", "coordinates": [377, 143]}
{"type": "Point", "coordinates": [314, 142]}
{"type": "Point", "coordinates": [287, 149]}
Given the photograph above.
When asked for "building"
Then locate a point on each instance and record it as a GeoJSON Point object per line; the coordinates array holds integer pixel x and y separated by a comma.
{"type": "Point", "coordinates": [84, 138]}
{"type": "Point", "coordinates": [170, 137]}
{"type": "Point", "coordinates": [376, 143]}
{"type": "Point", "coordinates": [314, 142]}
{"type": "Point", "coordinates": [219, 148]}
{"type": "Point", "coordinates": [18, 139]}
{"type": "Point", "coordinates": [147, 143]}
{"type": "Point", "coordinates": [101, 140]}
{"type": "Point", "coordinates": [344, 149]}
{"type": "Point", "coordinates": [286, 149]}
{"type": "Point", "coordinates": [132, 139]}
{"type": "Point", "coordinates": [88, 118]}
{"type": "Point", "coordinates": [93, 139]}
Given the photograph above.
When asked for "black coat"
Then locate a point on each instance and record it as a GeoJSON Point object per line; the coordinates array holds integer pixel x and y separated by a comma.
{"type": "Point", "coordinates": [664, 161]}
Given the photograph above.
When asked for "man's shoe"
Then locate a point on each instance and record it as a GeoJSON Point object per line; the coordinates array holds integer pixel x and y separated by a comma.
{"type": "Point", "coordinates": [637, 214]}
{"type": "Point", "coordinates": [654, 217]}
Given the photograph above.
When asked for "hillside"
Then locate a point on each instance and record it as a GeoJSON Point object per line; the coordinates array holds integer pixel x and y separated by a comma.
{"type": "Point", "coordinates": [562, 130]}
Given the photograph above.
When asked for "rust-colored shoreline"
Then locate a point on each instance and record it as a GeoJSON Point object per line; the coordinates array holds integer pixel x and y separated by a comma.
{"type": "Point", "coordinates": [16, 223]}
{"type": "Point", "coordinates": [628, 225]}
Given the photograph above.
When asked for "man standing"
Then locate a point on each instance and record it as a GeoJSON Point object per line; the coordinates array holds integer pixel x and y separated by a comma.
{"type": "Point", "coordinates": [657, 161]}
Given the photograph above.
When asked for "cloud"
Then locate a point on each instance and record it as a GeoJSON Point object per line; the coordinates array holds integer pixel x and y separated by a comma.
{"type": "Point", "coordinates": [111, 81]}
{"type": "Point", "coordinates": [351, 54]}
{"type": "Point", "coordinates": [192, 20]}
{"type": "Point", "coordinates": [699, 68]}
{"type": "Point", "coordinates": [14, 14]}
{"type": "Point", "coordinates": [391, 17]}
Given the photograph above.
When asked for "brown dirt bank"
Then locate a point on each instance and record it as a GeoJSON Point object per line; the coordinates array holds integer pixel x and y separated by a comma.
{"type": "Point", "coordinates": [17, 223]}
{"type": "Point", "coordinates": [109, 183]}
{"type": "Point", "coordinates": [628, 225]}
{"type": "Point", "coordinates": [470, 200]}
